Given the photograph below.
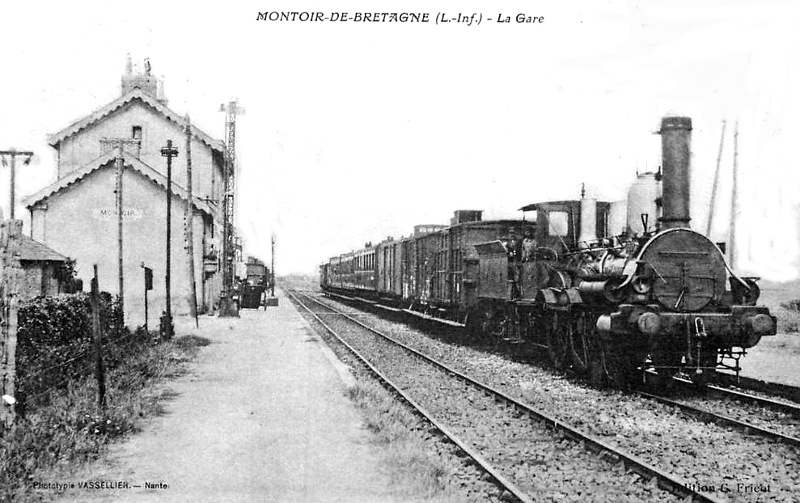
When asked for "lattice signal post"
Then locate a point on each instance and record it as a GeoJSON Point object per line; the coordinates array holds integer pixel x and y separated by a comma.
{"type": "Point", "coordinates": [227, 308]}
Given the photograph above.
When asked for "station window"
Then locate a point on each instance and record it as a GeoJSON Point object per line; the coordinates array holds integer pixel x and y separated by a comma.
{"type": "Point", "coordinates": [136, 132]}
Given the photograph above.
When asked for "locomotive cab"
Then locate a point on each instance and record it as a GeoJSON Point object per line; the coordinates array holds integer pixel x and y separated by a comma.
{"type": "Point", "coordinates": [559, 227]}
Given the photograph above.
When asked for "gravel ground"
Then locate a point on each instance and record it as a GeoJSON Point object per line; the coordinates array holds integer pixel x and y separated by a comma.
{"type": "Point", "coordinates": [782, 422]}
{"type": "Point", "coordinates": [711, 456]}
{"type": "Point", "coordinates": [546, 466]}
{"type": "Point", "coordinates": [471, 483]}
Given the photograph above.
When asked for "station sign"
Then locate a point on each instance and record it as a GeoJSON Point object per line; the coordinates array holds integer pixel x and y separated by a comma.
{"type": "Point", "coordinates": [110, 214]}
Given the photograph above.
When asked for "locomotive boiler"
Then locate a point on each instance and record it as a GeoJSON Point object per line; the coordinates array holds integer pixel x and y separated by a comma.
{"type": "Point", "coordinates": [655, 297]}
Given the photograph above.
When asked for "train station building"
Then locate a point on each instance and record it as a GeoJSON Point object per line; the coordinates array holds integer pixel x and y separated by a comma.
{"type": "Point", "coordinates": [77, 214]}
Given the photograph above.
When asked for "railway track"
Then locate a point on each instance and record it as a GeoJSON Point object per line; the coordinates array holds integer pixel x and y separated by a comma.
{"type": "Point", "coordinates": [749, 418]}
{"type": "Point", "coordinates": [757, 415]}
{"type": "Point", "coordinates": [759, 388]}
{"type": "Point", "coordinates": [774, 419]}
{"type": "Point", "coordinates": [515, 422]}
{"type": "Point", "coordinates": [513, 493]}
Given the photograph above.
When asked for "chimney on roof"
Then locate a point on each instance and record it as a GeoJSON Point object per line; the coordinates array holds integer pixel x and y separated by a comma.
{"type": "Point", "coordinates": [141, 80]}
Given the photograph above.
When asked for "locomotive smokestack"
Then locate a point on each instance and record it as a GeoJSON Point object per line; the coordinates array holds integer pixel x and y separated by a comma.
{"type": "Point", "coordinates": [675, 151]}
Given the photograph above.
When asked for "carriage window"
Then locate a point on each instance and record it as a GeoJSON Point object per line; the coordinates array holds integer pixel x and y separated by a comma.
{"type": "Point", "coordinates": [558, 223]}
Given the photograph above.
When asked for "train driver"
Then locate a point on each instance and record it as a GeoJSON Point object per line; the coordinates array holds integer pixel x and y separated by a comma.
{"type": "Point", "coordinates": [512, 245]}
{"type": "Point", "coordinates": [529, 245]}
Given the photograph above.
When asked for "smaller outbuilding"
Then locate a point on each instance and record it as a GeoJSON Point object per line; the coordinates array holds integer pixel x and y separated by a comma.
{"type": "Point", "coordinates": [44, 270]}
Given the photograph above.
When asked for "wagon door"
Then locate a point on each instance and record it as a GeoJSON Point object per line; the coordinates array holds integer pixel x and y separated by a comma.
{"type": "Point", "coordinates": [456, 269]}
{"type": "Point", "coordinates": [441, 269]}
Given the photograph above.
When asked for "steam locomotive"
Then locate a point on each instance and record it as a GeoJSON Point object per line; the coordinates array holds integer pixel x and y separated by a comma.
{"type": "Point", "coordinates": [252, 281]}
{"type": "Point", "coordinates": [657, 297]}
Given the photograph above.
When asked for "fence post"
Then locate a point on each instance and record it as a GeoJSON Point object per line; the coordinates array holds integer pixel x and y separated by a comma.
{"type": "Point", "coordinates": [98, 344]}
{"type": "Point", "coordinates": [10, 232]}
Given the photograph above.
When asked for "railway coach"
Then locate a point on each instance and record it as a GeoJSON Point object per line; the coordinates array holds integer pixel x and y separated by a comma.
{"type": "Point", "coordinates": [433, 273]}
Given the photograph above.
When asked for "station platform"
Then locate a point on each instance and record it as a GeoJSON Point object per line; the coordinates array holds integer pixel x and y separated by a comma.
{"type": "Point", "coordinates": [262, 416]}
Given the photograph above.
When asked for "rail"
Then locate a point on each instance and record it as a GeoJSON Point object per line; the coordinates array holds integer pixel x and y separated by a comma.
{"type": "Point", "coordinates": [721, 419]}
{"type": "Point", "coordinates": [499, 479]}
{"type": "Point", "coordinates": [664, 480]}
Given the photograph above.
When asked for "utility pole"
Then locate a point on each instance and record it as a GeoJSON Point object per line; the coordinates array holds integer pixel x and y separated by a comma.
{"type": "Point", "coordinates": [226, 304]}
{"type": "Point", "coordinates": [120, 208]}
{"type": "Point", "coordinates": [272, 274]}
{"type": "Point", "coordinates": [119, 163]}
{"type": "Point", "coordinates": [716, 182]}
{"type": "Point", "coordinates": [12, 154]}
{"type": "Point", "coordinates": [169, 152]}
{"type": "Point", "coordinates": [271, 301]}
{"type": "Point", "coordinates": [190, 220]}
{"type": "Point", "coordinates": [10, 271]}
{"type": "Point", "coordinates": [734, 196]}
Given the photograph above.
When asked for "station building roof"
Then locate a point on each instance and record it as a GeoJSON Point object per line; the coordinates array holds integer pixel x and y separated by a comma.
{"type": "Point", "coordinates": [130, 162]}
{"type": "Point", "coordinates": [125, 99]}
{"type": "Point", "coordinates": [33, 251]}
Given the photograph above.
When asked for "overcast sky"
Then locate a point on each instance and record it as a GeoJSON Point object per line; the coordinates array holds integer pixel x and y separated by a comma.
{"type": "Point", "coordinates": [355, 131]}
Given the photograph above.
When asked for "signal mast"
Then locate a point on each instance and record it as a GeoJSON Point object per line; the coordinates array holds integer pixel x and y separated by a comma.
{"type": "Point", "coordinates": [227, 308]}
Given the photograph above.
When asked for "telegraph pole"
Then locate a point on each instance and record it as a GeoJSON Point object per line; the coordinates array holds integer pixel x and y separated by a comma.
{"type": "Point", "coordinates": [120, 208]}
{"type": "Point", "coordinates": [12, 154]}
{"type": "Point", "coordinates": [190, 220]}
{"type": "Point", "coordinates": [716, 182]}
{"type": "Point", "coordinates": [119, 164]}
{"type": "Point", "coordinates": [169, 152]}
{"type": "Point", "coordinates": [10, 278]}
{"type": "Point", "coordinates": [272, 282]}
{"type": "Point", "coordinates": [10, 282]}
{"type": "Point", "coordinates": [734, 196]}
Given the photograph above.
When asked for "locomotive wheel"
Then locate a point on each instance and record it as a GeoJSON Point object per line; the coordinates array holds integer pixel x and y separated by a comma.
{"type": "Point", "coordinates": [588, 351]}
{"type": "Point", "coordinates": [536, 326]}
{"type": "Point", "coordinates": [579, 348]}
{"type": "Point", "coordinates": [479, 320]}
{"type": "Point", "coordinates": [474, 323]}
{"type": "Point", "coordinates": [513, 325]}
{"type": "Point", "coordinates": [490, 323]}
{"type": "Point", "coordinates": [621, 362]}
{"type": "Point", "coordinates": [617, 368]}
{"type": "Point", "coordinates": [558, 344]}
{"type": "Point", "coordinates": [597, 372]}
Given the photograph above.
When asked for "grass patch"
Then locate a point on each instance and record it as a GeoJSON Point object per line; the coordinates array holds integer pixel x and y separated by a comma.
{"type": "Point", "coordinates": [192, 342]}
{"type": "Point", "coordinates": [781, 299]}
{"type": "Point", "coordinates": [407, 453]}
{"type": "Point", "coordinates": [789, 316]}
{"type": "Point", "coordinates": [70, 430]}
